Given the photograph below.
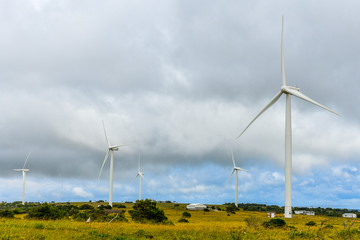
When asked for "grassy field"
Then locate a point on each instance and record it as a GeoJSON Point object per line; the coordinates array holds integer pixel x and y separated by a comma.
{"type": "Point", "coordinates": [202, 225]}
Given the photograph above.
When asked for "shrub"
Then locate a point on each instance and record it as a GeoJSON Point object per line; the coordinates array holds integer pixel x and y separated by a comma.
{"type": "Point", "coordinates": [39, 226]}
{"type": "Point", "coordinates": [311, 223]}
{"type": "Point", "coordinates": [119, 206]}
{"type": "Point", "coordinates": [104, 207]}
{"type": "Point", "coordinates": [274, 223]}
{"type": "Point", "coordinates": [146, 210]}
{"type": "Point", "coordinates": [6, 214]}
{"type": "Point", "coordinates": [81, 216]}
{"type": "Point", "coordinates": [183, 220]}
{"type": "Point", "coordinates": [231, 208]}
{"type": "Point", "coordinates": [46, 212]}
{"type": "Point", "coordinates": [186, 215]}
{"type": "Point", "coordinates": [86, 207]}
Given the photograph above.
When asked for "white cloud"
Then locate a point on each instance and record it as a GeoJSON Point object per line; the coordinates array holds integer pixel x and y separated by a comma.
{"type": "Point", "coordinates": [79, 191]}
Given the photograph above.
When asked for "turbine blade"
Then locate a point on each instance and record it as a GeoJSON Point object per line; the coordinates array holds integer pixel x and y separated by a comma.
{"type": "Point", "coordinates": [277, 96]}
{"type": "Point", "coordinates": [232, 155]}
{"type": "Point", "coordinates": [282, 54]}
{"type": "Point", "coordinates": [106, 157]}
{"type": "Point", "coordinates": [306, 98]}
{"type": "Point", "coordinates": [107, 140]}
{"type": "Point", "coordinates": [230, 177]}
{"type": "Point", "coordinates": [241, 169]}
{"type": "Point", "coordinates": [122, 145]}
{"type": "Point", "coordinates": [134, 178]}
{"type": "Point", "coordinates": [26, 159]}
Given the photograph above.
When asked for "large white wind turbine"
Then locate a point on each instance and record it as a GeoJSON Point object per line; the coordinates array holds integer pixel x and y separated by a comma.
{"type": "Point", "coordinates": [288, 91]}
{"type": "Point", "coordinates": [111, 150]}
{"type": "Point", "coordinates": [23, 170]}
{"type": "Point", "coordinates": [235, 169]}
{"type": "Point", "coordinates": [140, 175]}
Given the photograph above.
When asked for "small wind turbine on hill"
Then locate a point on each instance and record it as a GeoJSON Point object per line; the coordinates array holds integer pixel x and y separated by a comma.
{"type": "Point", "coordinates": [235, 169]}
{"type": "Point", "coordinates": [288, 91]}
{"type": "Point", "coordinates": [23, 170]}
{"type": "Point", "coordinates": [111, 149]}
{"type": "Point", "coordinates": [140, 175]}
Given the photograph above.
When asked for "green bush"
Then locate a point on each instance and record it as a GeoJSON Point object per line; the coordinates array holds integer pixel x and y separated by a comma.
{"type": "Point", "coordinates": [186, 215]}
{"type": "Point", "coordinates": [39, 226]}
{"type": "Point", "coordinates": [6, 214]}
{"type": "Point", "coordinates": [274, 223]}
{"type": "Point", "coordinates": [46, 212]}
{"type": "Point", "coordinates": [311, 223]}
{"type": "Point", "coordinates": [104, 207]}
{"type": "Point", "coordinates": [146, 211]}
{"type": "Point", "coordinates": [183, 220]}
{"type": "Point", "coordinates": [119, 206]}
{"type": "Point", "coordinates": [231, 208]}
{"type": "Point", "coordinates": [86, 207]}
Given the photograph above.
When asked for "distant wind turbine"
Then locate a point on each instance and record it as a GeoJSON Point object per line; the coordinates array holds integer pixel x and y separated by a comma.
{"type": "Point", "coordinates": [111, 150]}
{"type": "Point", "coordinates": [140, 175]}
{"type": "Point", "coordinates": [235, 169]}
{"type": "Point", "coordinates": [288, 91]}
{"type": "Point", "coordinates": [23, 170]}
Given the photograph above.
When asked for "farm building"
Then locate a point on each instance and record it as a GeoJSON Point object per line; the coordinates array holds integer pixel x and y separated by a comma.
{"type": "Point", "coordinates": [196, 206]}
{"type": "Point", "coordinates": [303, 212]}
{"type": "Point", "coordinates": [349, 215]}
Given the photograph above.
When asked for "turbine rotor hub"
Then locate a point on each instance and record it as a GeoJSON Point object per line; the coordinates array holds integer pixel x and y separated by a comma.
{"type": "Point", "coordinates": [115, 148]}
{"type": "Point", "coordinates": [284, 89]}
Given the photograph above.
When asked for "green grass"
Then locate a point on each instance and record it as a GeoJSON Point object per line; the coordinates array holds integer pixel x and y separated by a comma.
{"type": "Point", "coordinates": [208, 225]}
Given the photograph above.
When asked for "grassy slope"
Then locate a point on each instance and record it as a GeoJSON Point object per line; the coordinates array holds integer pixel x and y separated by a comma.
{"type": "Point", "coordinates": [209, 225]}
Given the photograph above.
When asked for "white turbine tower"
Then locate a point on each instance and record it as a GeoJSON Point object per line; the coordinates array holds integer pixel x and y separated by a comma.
{"type": "Point", "coordinates": [23, 170]}
{"type": "Point", "coordinates": [140, 175]}
{"type": "Point", "coordinates": [235, 169]}
{"type": "Point", "coordinates": [288, 91]}
{"type": "Point", "coordinates": [111, 150]}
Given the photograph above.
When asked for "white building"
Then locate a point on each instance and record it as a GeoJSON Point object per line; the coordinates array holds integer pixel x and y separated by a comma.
{"type": "Point", "coordinates": [349, 215]}
{"type": "Point", "coordinates": [303, 212]}
{"type": "Point", "coordinates": [196, 206]}
{"type": "Point", "coordinates": [271, 214]}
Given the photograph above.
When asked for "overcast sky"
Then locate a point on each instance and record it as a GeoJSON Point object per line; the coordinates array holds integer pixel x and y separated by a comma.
{"type": "Point", "coordinates": [178, 80]}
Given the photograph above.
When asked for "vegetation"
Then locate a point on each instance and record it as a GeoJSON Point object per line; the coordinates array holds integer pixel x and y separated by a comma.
{"type": "Point", "coordinates": [212, 225]}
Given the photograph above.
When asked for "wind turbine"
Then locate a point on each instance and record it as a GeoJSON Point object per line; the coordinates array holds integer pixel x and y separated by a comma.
{"type": "Point", "coordinates": [111, 149]}
{"type": "Point", "coordinates": [288, 91]}
{"type": "Point", "coordinates": [140, 175]}
{"type": "Point", "coordinates": [23, 170]}
{"type": "Point", "coordinates": [235, 169]}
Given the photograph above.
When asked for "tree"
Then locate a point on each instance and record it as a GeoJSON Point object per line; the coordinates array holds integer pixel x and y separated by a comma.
{"type": "Point", "coordinates": [146, 211]}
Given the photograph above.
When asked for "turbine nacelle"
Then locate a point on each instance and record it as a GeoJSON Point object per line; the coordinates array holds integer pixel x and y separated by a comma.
{"type": "Point", "coordinates": [141, 174]}
{"type": "Point", "coordinates": [114, 148]}
{"type": "Point", "coordinates": [241, 169]}
{"type": "Point", "coordinates": [284, 89]}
